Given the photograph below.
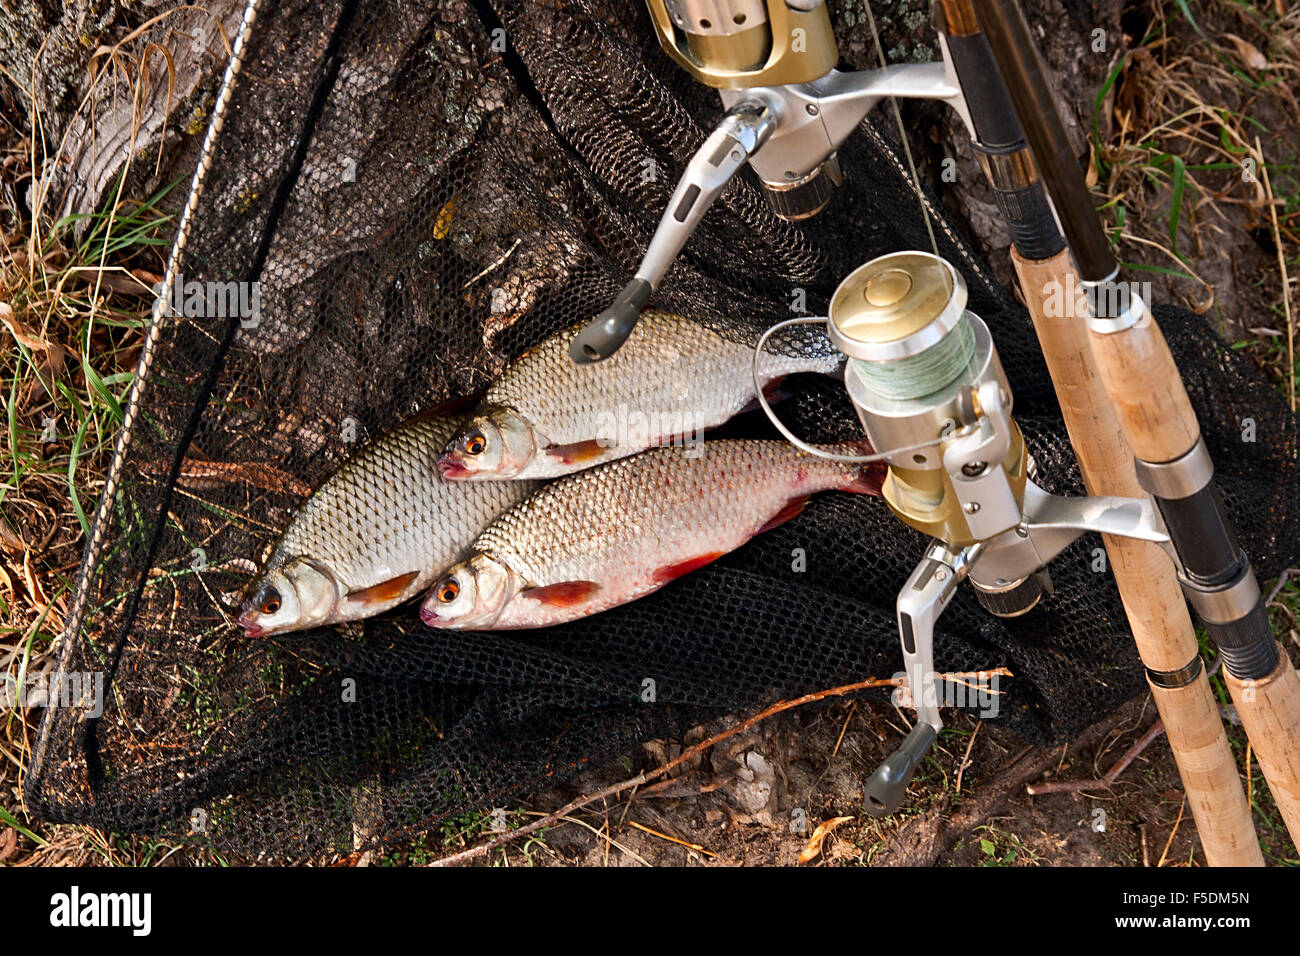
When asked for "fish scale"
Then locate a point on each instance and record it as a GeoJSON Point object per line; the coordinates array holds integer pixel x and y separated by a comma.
{"type": "Point", "coordinates": [628, 527]}
{"type": "Point", "coordinates": [673, 377]}
{"type": "Point", "coordinates": [387, 511]}
{"type": "Point", "coordinates": [669, 363]}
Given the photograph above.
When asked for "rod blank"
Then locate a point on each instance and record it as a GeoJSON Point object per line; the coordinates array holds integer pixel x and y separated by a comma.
{"type": "Point", "coordinates": [1017, 57]}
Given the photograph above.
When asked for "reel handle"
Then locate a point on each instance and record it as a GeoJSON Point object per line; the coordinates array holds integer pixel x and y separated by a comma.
{"type": "Point", "coordinates": [606, 333]}
{"type": "Point", "coordinates": [888, 785]}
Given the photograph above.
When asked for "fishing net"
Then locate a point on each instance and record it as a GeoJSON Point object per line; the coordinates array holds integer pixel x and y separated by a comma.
{"type": "Point", "coordinates": [422, 191]}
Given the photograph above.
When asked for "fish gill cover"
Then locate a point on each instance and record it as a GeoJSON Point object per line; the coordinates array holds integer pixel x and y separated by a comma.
{"type": "Point", "coordinates": [421, 191]}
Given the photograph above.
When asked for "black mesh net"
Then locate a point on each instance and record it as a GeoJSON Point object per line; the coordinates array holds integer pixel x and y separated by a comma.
{"type": "Point", "coordinates": [422, 190]}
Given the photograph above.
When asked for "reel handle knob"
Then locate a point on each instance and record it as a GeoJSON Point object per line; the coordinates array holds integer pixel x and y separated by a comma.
{"type": "Point", "coordinates": [605, 334]}
{"type": "Point", "coordinates": [888, 785]}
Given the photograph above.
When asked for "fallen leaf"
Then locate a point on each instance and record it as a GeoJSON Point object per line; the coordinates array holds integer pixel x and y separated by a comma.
{"type": "Point", "coordinates": [1248, 52]}
{"type": "Point", "coordinates": [50, 368]}
{"type": "Point", "coordinates": [10, 541]}
{"type": "Point", "coordinates": [202, 475]}
{"type": "Point", "coordinates": [124, 283]}
{"type": "Point", "coordinates": [18, 332]}
{"type": "Point", "coordinates": [443, 224]}
{"type": "Point", "coordinates": [824, 829]}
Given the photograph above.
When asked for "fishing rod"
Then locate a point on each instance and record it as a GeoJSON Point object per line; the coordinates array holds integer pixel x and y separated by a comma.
{"type": "Point", "coordinates": [1147, 581]}
{"type": "Point", "coordinates": [924, 376]}
{"type": "Point", "coordinates": [1156, 417]}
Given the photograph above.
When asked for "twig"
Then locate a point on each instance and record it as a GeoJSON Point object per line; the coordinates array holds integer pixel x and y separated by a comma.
{"type": "Point", "coordinates": [641, 779]}
{"type": "Point", "coordinates": [965, 760]}
{"type": "Point", "coordinates": [1281, 580]}
{"type": "Point", "coordinates": [1106, 782]}
{"type": "Point", "coordinates": [508, 253]}
{"type": "Point", "coordinates": [1168, 843]}
{"type": "Point", "coordinates": [1281, 264]}
{"type": "Point", "coordinates": [671, 839]}
{"type": "Point", "coordinates": [843, 730]}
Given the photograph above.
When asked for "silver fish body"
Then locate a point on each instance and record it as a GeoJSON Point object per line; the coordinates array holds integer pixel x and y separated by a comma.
{"type": "Point", "coordinates": [604, 537]}
{"type": "Point", "coordinates": [375, 533]}
{"type": "Point", "coordinates": [547, 416]}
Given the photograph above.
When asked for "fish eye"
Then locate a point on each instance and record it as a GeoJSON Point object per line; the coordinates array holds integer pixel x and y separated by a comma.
{"type": "Point", "coordinates": [448, 591]}
{"type": "Point", "coordinates": [475, 444]}
{"type": "Point", "coordinates": [270, 599]}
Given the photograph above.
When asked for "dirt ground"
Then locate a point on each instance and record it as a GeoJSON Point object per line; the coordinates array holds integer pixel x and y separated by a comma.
{"type": "Point", "coordinates": [760, 797]}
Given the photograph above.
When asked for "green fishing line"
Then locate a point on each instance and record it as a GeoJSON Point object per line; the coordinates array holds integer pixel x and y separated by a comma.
{"type": "Point", "coordinates": [924, 373]}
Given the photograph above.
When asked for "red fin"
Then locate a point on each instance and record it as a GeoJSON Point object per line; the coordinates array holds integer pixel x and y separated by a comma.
{"type": "Point", "coordinates": [792, 508]}
{"type": "Point", "coordinates": [868, 480]}
{"type": "Point", "coordinates": [772, 391]}
{"type": "Point", "coordinates": [674, 571]}
{"type": "Point", "coordinates": [563, 594]}
{"type": "Point", "coordinates": [384, 591]}
{"type": "Point", "coordinates": [578, 452]}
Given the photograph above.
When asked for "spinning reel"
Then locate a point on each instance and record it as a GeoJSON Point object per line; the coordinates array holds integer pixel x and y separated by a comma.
{"type": "Point", "coordinates": [924, 376]}
{"type": "Point", "coordinates": [788, 111]}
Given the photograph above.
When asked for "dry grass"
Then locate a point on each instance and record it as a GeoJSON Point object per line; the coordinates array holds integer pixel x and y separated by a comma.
{"type": "Point", "coordinates": [75, 294]}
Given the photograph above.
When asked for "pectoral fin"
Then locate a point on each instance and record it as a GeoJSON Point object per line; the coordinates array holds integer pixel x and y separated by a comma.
{"type": "Point", "coordinates": [385, 591]}
{"type": "Point", "coordinates": [562, 594]}
{"type": "Point", "coordinates": [772, 391]}
{"type": "Point", "coordinates": [790, 509]}
{"type": "Point", "coordinates": [578, 452]}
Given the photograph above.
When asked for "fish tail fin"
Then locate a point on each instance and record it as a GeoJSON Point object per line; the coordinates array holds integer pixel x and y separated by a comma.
{"type": "Point", "coordinates": [868, 480]}
{"type": "Point", "coordinates": [865, 478]}
{"type": "Point", "coordinates": [772, 391]}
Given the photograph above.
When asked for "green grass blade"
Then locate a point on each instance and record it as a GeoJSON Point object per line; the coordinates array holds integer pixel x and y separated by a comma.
{"type": "Point", "coordinates": [1176, 205]}
{"type": "Point", "coordinates": [73, 457]}
{"type": "Point", "coordinates": [12, 820]}
{"type": "Point", "coordinates": [1159, 270]}
{"type": "Point", "coordinates": [1187, 12]}
{"type": "Point", "coordinates": [1096, 104]}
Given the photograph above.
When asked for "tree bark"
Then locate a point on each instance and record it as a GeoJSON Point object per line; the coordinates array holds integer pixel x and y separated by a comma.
{"type": "Point", "coordinates": [103, 85]}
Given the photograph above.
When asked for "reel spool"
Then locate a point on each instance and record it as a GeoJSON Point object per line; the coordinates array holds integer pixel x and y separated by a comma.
{"type": "Point", "coordinates": [740, 44]}
{"type": "Point", "coordinates": [745, 44]}
{"type": "Point", "coordinates": [918, 363]}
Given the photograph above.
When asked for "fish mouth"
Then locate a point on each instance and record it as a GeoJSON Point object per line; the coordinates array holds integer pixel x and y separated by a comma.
{"type": "Point", "coordinates": [430, 617]}
{"type": "Point", "coordinates": [452, 467]}
{"type": "Point", "coordinates": [248, 621]}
